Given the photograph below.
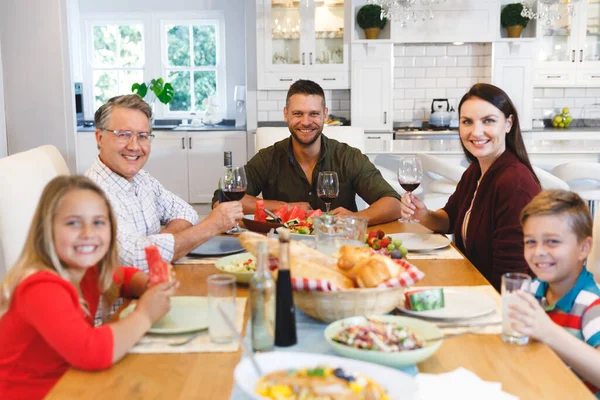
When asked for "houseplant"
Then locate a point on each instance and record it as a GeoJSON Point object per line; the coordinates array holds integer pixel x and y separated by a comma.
{"type": "Point", "coordinates": [512, 20]}
{"type": "Point", "coordinates": [159, 89]}
{"type": "Point", "coordinates": [370, 18]}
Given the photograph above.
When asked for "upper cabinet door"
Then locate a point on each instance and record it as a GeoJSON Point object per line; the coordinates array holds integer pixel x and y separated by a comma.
{"type": "Point", "coordinates": [558, 40]}
{"type": "Point", "coordinates": [283, 34]}
{"type": "Point", "coordinates": [327, 34]}
{"type": "Point", "coordinates": [589, 53]}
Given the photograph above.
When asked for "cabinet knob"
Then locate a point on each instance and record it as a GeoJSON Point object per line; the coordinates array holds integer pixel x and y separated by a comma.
{"type": "Point", "coordinates": [310, 58]}
{"type": "Point", "coordinates": [285, 79]}
{"type": "Point", "coordinates": [581, 55]}
{"type": "Point", "coordinates": [183, 143]}
{"type": "Point", "coordinates": [190, 142]}
{"type": "Point", "coordinates": [573, 59]}
{"type": "Point", "coordinates": [553, 76]}
{"type": "Point", "coordinates": [329, 79]}
{"type": "Point", "coordinates": [385, 117]}
{"type": "Point", "coordinates": [305, 53]}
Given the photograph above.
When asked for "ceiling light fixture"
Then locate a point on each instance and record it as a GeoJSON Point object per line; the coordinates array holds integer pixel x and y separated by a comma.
{"type": "Point", "coordinates": [405, 11]}
{"type": "Point", "coordinates": [548, 10]}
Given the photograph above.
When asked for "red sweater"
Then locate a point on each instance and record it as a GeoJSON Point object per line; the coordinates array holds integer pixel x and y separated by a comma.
{"type": "Point", "coordinates": [494, 234]}
{"type": "Point", "coordinates": [45, 331]}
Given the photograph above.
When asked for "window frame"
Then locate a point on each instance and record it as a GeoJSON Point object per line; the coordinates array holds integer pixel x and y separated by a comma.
{"type": "Point", "coordinates": [213, 18]}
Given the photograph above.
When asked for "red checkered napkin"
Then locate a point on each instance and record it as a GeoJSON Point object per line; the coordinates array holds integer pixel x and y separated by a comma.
{"type": "Point", "coordinates": [408, 277]}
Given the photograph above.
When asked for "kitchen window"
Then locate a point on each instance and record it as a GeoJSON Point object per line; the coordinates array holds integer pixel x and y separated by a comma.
{"type": "Point", "coordinates": [116, 57]}
{"type": "Point", "coordinates": [193, 61]}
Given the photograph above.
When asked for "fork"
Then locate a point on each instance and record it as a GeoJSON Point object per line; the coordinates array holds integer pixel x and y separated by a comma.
{"type": "Point", "coordinates": [186, 341]}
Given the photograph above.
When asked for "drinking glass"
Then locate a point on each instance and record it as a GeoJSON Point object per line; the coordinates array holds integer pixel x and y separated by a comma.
{"type": "Point", "coordinates": [232, 187]}
{"type": "Point", "coordinates": [511, 282]}
{"type": "Point", "coordinates": [334, 231]}
{"type": "Point", "coordinates": [328, 187]}
{"type": "Point", "coordinates": [221, 293]}
{"type": "Point", "coordinates": [410, 173]}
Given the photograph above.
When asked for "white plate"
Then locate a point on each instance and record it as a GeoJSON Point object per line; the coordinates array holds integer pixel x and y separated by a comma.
{"type": "Point", "coordinates": [421, 241]}
{"type": "Point", "coordinates": [399, 385]}
{"type": "Point", "coordinates": [460, 304]}
{"type": "Point", "coordinates": [240, 276]}
{"type": "Point", "coordinates": [187, 314]}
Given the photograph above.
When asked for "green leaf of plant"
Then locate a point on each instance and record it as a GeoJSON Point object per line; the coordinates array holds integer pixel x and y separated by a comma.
{"type": "Point", "coordinates": [140, 89]}
{"type": "Point", "coordinates": [166, 95]}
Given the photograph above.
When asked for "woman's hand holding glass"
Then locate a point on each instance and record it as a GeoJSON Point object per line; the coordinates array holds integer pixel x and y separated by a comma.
{"type": "Point", "coordinates": [412, 208]}
{"type": "Point", "coordinates": [410, 173]}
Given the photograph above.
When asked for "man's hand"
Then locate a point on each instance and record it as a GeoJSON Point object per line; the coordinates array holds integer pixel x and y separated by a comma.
{"type": "Point", "coordinates": [224, 216]}
{"type": "Point", "coordinates": [341, 211]}
{"type": "Point", "coordinates": [302, 204]}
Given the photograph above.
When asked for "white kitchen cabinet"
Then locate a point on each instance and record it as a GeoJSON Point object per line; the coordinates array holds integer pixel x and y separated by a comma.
{"type": "Point", "coordinates": [568, 51]}
{"type": "Point", "coordinates": [301, 39]}
{"type": "Point", "coordinates": [168, 161]}
{"type": "Point", "coordinates": [372, 83]}
{"type": "Point", "coordinates": [513, 72]}
{"type": "Point", "coordinates": [205, 160]}
{"type": "Point", "coordinates": [86, 152]}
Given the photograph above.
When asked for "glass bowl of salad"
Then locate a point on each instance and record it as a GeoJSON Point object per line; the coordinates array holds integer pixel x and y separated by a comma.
{"type": "Point", "coordinates": [384, 339]}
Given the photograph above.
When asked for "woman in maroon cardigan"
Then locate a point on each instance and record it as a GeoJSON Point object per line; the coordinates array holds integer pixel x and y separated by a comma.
{"type": "Point", "coordinates": [483, 213]}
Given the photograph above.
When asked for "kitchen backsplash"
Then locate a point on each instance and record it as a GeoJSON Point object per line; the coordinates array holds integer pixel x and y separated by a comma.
{"type": "Point", "coordinates": [547, 101]}
{"type": "Point", "coordinates": [426, 72]}
{"type": "Point", "coordinates": [271, 102]}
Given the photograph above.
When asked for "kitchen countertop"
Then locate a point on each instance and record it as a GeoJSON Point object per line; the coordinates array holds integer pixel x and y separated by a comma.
{"type": "Point", "coordinates": [171, 127]}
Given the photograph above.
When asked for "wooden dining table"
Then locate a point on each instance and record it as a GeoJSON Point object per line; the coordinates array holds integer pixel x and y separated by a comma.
{"type": "Point", "coordinates": [532, 371]}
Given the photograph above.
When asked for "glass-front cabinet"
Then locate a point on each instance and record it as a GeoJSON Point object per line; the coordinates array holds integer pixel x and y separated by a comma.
{"type": "Point", "coordinates": [569, 47]}
{"type": "Point", "coordinates": [301, 39]}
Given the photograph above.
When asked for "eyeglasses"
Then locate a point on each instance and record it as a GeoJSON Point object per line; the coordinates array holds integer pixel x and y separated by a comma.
{"type": "Point", "coordinates": [125, 137]}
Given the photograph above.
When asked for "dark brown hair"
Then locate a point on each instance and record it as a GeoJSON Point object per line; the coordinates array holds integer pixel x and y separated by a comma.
{"type": "Point", "coordinates": [306, 87]}
{"type": "Point", "coordinates": [561, 202]}
{"type": "Point", "coordinates": [514, 139]}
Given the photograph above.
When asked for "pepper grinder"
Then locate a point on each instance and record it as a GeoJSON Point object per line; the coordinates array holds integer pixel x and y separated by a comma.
{"type": "Point", "coordinates": [285, 318]}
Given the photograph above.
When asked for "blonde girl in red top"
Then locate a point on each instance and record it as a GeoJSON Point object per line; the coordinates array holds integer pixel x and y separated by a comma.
{"type": "Point", "coordinates": [49, 298]}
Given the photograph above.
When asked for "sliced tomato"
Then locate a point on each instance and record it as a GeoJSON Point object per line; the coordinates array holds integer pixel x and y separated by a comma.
{"type": "Point", "coordinates": [315, 213]}
{"type": "Point", "coordinates": [282, 212]}
{"type": "Point", "coordinates": [158, 270]}
{"type": "Point", "coordinates": [297, 213]}
{"type": "Point", "coordinates": [260, 214]}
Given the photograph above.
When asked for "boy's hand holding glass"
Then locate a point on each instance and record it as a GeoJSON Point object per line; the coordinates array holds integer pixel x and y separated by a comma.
{"type": "Point", "coordinates": [532, 319]}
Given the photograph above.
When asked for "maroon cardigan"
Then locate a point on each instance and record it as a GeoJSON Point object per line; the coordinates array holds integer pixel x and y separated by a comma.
{"type": "Point", "coordinates": [494, 234]}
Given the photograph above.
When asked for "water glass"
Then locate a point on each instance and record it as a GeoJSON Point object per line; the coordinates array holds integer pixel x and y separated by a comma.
{"type": "Point", "coordinates": [511, 282]}
{"type": "Point", "coordinates": [333, 232]}
{"type": "Point", "coordinates": [221, 293]}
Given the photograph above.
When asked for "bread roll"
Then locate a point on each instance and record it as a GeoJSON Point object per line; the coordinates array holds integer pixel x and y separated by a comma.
{"type": "Point", "coordinates": [349, 256]}
{"type": "Point", "coordinates": [372, 271]}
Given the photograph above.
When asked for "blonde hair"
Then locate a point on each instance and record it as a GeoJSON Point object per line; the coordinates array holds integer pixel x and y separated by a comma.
{"type": "Point", "coordinates": [564, 203]}
{"type": "Point", "coordinates": [39, 252]}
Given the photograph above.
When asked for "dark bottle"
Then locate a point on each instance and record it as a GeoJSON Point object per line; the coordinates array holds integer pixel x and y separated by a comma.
{"type": "Point", "coordinates": [262, 302]}
{"type": "Point", "coordinates": [285, 318]}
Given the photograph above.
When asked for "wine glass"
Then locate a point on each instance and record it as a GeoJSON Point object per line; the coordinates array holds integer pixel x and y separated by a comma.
{"type": "Point", "coordinates": [232, 188]}
{"type": "Point", "coordinates": [410, 173]}
{"type": "Point", "coordinates": [328, 187]}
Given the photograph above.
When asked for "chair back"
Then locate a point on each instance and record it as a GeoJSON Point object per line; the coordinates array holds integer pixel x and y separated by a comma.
{"type": "Point", "coordinates": [350, 135]}
{"type": "Point", "coordinates": [574, 171]}
{"type": "Point", "coordinates": [550, 181]}
{"type": "Point", "coordinates": [23, 176]}
{"type": "Point", "coordinates": [438, 166]}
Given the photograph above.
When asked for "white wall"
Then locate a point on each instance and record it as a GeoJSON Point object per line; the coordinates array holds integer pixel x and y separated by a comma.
{"type": "Point", "coordinates": [235, 42]}
{"type": "Point", "coordinates": [3, 142]}
{"type": "Point", "coordinates": [38, 90]}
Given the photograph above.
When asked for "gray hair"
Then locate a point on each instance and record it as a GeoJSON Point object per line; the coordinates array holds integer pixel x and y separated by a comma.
{"type": "Point", "coordinates": [130, 101]}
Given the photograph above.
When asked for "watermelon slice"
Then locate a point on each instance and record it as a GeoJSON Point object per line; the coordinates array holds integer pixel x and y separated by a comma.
{"type": "Point", "coordinates": [314, 214]}
{"type": "Point", "coordinates": [282, 212]}
{"type": "Point", "coordinates": [158, 270]}
{"type": "Point", "coordinates": [260, 214]}
{"type": "Point", "coordinates": [296, 213]}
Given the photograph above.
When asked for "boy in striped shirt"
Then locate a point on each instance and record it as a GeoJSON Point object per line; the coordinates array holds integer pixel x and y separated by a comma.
{"type": "Point", "coordinates": [565, 312]}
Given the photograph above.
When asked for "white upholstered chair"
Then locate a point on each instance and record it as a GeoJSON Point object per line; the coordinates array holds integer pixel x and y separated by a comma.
{"type": "Point", "coordinates": [549, 180]}
{"type": "Point", "coordinates": [23, 176]}
{"type": "Point", "coordinates": [583, 178]}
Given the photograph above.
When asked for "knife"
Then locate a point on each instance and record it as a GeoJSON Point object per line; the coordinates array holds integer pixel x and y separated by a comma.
{"type": "Point", "coordinates": [272, 215]}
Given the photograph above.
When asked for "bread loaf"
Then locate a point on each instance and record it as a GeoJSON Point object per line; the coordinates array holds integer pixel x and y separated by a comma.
{"type": "Point", "coordinates": [372, 271]}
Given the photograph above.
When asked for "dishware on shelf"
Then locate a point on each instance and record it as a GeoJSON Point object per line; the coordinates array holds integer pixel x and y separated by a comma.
{"type": "Point", "coordinates": [511, 283]}
{"type": "Point", "coordinates": [459, 304]}
{"type": "Point", "coordinates": [328, 187]}
{"type": "Point", "coordinates": [421, 242]}
{"type": "Point", "coordinates": [423, 330]}
{"type": "Point", "coordinates": [233, 188]}
{"type": "Point", "coordinates": [333, 232]}
{"type": "Point", "coordinates": [187, 314]}
{"type": "Point", "coordinates": [221, 299]}
{"type": "Point", "coordinates": [397, 383]}
{"type": "Point", "coordinates": [410, 174]}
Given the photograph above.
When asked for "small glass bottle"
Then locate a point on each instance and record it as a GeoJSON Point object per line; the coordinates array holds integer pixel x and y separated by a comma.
{"type": "Point", "coordinates": [262, 303]}
{"type": "Point", "coordinates": [285, 312]}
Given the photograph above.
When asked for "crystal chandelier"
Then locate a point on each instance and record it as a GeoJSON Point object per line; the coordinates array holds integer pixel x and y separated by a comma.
{"type": "Point", "coordinates": [405, 11]}
{"type": "Point", "coordinates": [548, 10]}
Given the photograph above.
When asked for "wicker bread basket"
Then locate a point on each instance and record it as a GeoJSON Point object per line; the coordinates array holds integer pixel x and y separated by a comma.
{"type": "Point", "coordinates": [331, 306]}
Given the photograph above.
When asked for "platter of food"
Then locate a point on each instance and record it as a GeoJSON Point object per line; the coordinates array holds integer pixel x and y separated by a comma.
{"type": "Point", "coordinates": [295, 219]}
{"type": "Point", "coordinates": [242, 266]}
{"type": "Point", "coordinates": [385, 339]}
{"type": "Point", "coordinates": [296, 375]}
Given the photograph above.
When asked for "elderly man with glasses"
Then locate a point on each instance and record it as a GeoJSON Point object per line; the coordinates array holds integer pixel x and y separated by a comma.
{"type": "Point", "coordinates": [141, 204]}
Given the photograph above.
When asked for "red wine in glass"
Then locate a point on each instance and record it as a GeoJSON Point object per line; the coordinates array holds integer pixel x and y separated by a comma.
{"type": "Point", "coordinates": [410, 186]}
{"type": "Point", "coordinates": [233, 194]}
{"type": "Point", "coordinates": [328, 198]}
{"type": "Point", "coordinates": [328, 187]}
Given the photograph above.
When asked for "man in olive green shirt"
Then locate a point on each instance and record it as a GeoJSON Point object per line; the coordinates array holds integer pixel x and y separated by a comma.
{"type": "Point", "coordinates": [287, 172]}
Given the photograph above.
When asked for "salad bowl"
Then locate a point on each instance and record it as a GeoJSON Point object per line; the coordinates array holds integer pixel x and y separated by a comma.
{"type": "Point", "coordinates": [423, 330]}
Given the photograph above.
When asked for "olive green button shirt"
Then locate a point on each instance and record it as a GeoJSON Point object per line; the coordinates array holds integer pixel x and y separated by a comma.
{"type": "Point", "coordinates": [275, 173]}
